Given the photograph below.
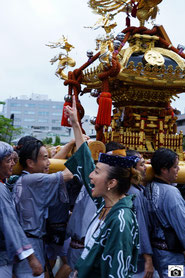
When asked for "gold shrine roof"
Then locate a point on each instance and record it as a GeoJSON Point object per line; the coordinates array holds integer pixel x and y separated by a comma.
{"type": "Point", "coordinates": [144, 63]}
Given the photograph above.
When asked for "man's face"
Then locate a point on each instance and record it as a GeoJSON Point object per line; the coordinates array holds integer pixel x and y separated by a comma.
{"type": "Point", "coordinates": [6, 167]}
{"type": "Point", "coordinates": [42, 163]}
{"type": "Point", "coordinates": [141, 167]}
{"type": "Point", "coordinates": [170, 175]}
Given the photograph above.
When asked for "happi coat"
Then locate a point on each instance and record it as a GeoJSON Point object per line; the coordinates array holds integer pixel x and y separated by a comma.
{"type": "Point", "coordinates": [58, 216]}
{"type": "Point", "coordinates": [83, 211]}
{"type": "Point", "coordinates": [140, 204]}
{"type": "Point", "coordinates": [165, 204]}
{"type": "Point", "coordinates": [13, 241]}
{"type": "Point", "coordinates": [33, 194]}
{"type": "Point", "coordinates": [112, 250]}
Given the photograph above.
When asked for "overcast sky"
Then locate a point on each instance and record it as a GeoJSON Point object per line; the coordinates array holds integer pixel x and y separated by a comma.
{"type": "Point", "coordinates": [27, 25]}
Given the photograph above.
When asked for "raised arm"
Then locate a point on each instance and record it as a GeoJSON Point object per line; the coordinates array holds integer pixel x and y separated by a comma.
{"type": "Point", "coordinates": [71, 113]}
{"type": "Point", "coordinates": [63, 152]}
{"type": "Point", "coordinates": [81, 162]}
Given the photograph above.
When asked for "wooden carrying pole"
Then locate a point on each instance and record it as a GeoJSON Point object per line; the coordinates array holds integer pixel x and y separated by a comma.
{"type": "Point", "coordinates": [58, 165]}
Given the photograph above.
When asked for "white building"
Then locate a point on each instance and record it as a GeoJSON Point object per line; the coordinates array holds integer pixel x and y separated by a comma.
{"type": "Point", "coordinates": [181, 123]}
{"type": "Point", "coordinates": [41, 117]}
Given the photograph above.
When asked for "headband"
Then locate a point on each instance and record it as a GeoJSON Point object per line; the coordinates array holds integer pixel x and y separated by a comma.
{"type": "Point", "coordinates": [121, 161]}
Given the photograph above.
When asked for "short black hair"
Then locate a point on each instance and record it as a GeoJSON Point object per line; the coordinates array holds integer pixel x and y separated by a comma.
{"type": "Point", "coordinates": [23, 141]}
{"type": "Point", "coordinates": [29, 150]}
{"type": "Point", "coordinates": [163, 158]}
{"type": "Point", "coordinates": [112, 146]}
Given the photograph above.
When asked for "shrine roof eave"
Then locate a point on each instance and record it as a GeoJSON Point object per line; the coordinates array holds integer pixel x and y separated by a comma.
{"type": "Point", "coordinates": [135, 80]}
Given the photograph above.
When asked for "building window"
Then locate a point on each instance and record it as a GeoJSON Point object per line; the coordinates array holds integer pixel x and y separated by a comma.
{"type": "Point", "coordinates": [15, 104]}
{"type": "Point", "coordinates": [46, 106]}
{"type": "Point", "coordinates": [56, 128]}
{"type": "Point", "coordinates": [29, 112]}
{"type": "Point", "coordinates": [15, 112]}
{"type": "Point", "coordinates": [40, 127]}
{"type": "Point", "coordinates": [43, 120]}
{"type": "Point", "coordinates": [30, 105]}
{"type": "Point", "coordinates": [17, 120]}
{"type": "Point", "coordinates": [56, 122]}
{"type": "Point", "coordinates": [43, 113]}
{"type": "Point", "coordinates": [29, 120]}
{"type": "Point", "coordinates": [181, 122]}
{"type": "Point", "coordinates": [43, 127]}
{"type": "Point", "coordinates": [57, 114]}
{"type": "Point", "coordinates": [57, 107]}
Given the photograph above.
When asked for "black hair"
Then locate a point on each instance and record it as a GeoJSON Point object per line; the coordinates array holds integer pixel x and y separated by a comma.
{"type": "Point", "coordinates": [23, 141]}
{"type": "Point", "coordinates": [133, 153]}
{"type": "Point", "coordinates": [29, 150]}
{"type": "Point", "coordinates": [163, 158]}
{"type": "Point", "coordinates": [111, 146]}
{"type": "Point", "coordinates": [124, 177]}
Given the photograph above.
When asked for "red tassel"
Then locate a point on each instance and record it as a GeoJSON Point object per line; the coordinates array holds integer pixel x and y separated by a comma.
{"type": "Point", "coordinates": [104, 110]}
{"type": "Point", "coordinates": [64, 121]}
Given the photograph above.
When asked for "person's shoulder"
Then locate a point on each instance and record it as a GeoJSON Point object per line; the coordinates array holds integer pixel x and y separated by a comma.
{"type": "Point", "coordinates": [167, 188]}
{"type": "Point", "coordinates": [173, 198]}
{"type": "Point", "coordinates": [40, 175]}
{"type": "Point", "coordinates": [172, 191]}
{"type": "Point", "coordinates": [39, 178]}
{"type": "Point", "coordinates": [2, 189]}
{"type": "Point", "coordinates": [4, 193]}
{"type": "Point", "coordinates": [122, 214]}
{"type": "Point", "coordinates": [138, 193]}
{"type": "Point", "coordinates": [133, 190]}
{"type": "Point", "coordinates": [33, 176]}
{"type": "Point", "coordinates": [122, 222]}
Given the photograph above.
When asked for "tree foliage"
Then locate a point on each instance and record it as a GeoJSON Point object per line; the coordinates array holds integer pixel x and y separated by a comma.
{"type": "Point", "coordinates": [7, 130]}
{"type": "Point", "coordinates": [47, 141]}
{"type": "Point", "coordinates": [57, 141]}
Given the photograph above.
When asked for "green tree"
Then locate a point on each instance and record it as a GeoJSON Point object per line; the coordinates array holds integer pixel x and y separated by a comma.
{"type": "Point", "coordinates": [47, 141]}
{"type": "Point", "coordinates": [57, 141]}
{"type": "Point", "coordinates": [7, 130]}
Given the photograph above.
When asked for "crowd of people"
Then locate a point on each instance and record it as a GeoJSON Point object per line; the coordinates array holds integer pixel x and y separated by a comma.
{"type": "Point", "coordinates": [100, 217]}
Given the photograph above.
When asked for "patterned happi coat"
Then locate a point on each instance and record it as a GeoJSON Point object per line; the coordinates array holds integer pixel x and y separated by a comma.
{"type": "Point", "coordinates": [112, 251]}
